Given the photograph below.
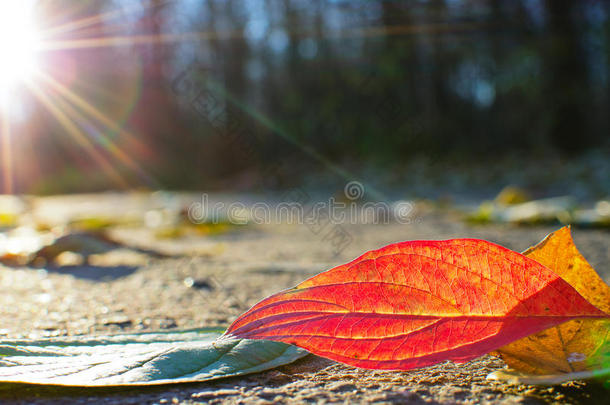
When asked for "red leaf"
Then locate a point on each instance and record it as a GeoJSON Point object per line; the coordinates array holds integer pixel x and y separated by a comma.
{"type": "Point", "coordinates": [414, 304]}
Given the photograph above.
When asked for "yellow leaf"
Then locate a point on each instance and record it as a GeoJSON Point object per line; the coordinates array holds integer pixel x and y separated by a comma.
{"type": "Point", "coordinates": [574, 346]}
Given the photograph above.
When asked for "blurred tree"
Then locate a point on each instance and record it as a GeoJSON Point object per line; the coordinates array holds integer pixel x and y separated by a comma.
{"type": "Point", "coordinates": [566, 78]}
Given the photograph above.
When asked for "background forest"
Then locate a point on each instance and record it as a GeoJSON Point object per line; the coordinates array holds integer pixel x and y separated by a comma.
{"type": "Point", "coordinates": [244, 94]}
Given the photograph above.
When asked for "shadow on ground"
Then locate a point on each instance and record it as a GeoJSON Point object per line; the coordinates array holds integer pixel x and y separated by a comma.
{"type": "Point", "coordinates": [94, 273]}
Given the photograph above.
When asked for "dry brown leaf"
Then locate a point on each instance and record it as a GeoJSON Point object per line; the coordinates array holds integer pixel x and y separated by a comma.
{"type": "Point", "coordinates": [574, 346]}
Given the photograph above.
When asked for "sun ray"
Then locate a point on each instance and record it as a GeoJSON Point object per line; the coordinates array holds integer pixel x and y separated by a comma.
{"type": "Point", "coordinates": [129, 40]}
{"type": "Point", "coordinates": [105, 142]}
{"type": "Point", "coordinates": [93, 112]}
{"type": "Point", "coordinates": [94, 20]}
{"type": "Point", "coordinates": [77, 134]}
{"type": "Point", "coordinates": [86, 22]}
{"type": "Point", "coordinates": [84, 126]}
{"type": "Point", "coordinates": [95, 91]}
{"type": "Point", "coordinates": [89, 108]}
{"type": "Point", "coordinates": [7, 159]}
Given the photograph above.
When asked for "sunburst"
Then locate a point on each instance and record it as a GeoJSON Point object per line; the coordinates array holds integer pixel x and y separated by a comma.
{"type": "Point", "coordinates": [23, 49]}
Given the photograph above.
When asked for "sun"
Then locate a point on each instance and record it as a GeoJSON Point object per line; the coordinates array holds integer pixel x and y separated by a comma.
{"type": "Point", "coordinates": [19, 43]}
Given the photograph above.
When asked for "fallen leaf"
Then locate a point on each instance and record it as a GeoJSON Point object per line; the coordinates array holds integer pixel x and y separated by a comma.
{"type": "Point", "coordinates": [100, 223]}
{"type": "Point", "coordinates": [414, 304]}
{"type": "Point", "coordinates": [511, 195]}
{"type": "Point", "coordinates": [138, 359]}
{"type": "Point", "coordinates": [574, 346]}
{"type": "Point", "coordinates": [516, 377]}
{"type": "Point", "coordinates": [85, 244]}
{"type": "Point", "coordinates": [548, 210]}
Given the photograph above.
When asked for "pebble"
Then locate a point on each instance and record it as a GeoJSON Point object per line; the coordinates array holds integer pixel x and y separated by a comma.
{"type": "Point", "coordinates": [214, 393]}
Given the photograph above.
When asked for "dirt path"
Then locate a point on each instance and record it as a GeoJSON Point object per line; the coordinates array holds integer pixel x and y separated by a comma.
{"type": "Point", "coordinates": [216, 277]}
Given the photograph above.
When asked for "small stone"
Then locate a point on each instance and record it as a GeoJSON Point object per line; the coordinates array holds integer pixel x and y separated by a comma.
{"type": "Point", "coordinates": [214, 393]}
{"type": "Point", "coordinates": [343, 387]}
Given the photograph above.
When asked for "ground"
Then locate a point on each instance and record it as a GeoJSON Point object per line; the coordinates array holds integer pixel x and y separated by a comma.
{"type": "Point", "coordinates": [211, 278]}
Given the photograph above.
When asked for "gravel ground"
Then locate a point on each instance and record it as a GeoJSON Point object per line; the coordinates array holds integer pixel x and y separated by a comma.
{"type": "Point", "coordinates": [212, 279]}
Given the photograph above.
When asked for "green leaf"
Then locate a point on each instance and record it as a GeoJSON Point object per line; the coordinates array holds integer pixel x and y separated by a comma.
{"type": "Point", "coordinates": [139, 359]}
{"type": "Point", "coordinates": [517, 377]}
